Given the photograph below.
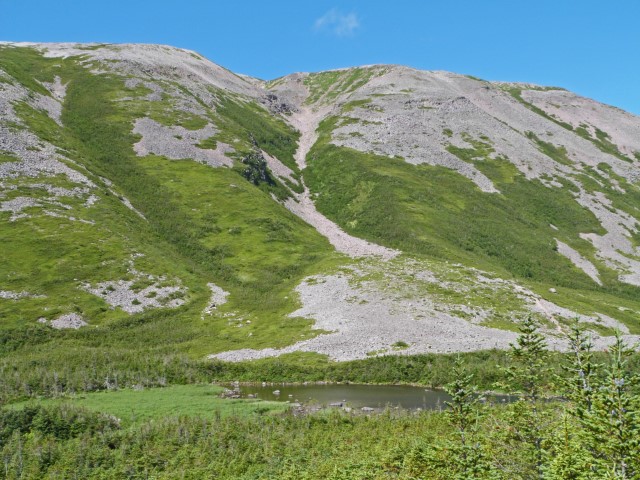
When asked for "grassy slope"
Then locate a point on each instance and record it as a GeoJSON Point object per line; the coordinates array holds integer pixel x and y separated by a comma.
{"type": "Point", "coordinates": [238, 247]}
{"type": "Point", "coordinates": [436, 212]}
{"type": "Point", "coordinates": [237, 237]}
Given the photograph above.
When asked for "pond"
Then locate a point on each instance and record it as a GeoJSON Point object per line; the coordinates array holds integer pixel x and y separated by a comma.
{"type": "Point", "coordinates": [356, 396]}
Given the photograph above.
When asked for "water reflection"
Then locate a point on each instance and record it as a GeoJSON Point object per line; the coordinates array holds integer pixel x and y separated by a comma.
{"type": "Point", "coordinates": [355, 396]}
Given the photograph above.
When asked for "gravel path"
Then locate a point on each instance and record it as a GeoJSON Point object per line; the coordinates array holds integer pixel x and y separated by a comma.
{"type": "Point", "coordinates": [306, 121]}
{"type": "Point", "coordinates": [218, 297]}
{"type": "Point", "coordinates": [279, 168]}
{"type": "Point", "coordinates": [352, 246]}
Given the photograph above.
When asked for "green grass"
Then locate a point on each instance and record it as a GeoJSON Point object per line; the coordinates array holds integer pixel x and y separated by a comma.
{"type": "Point", "coordinates": [208, 143]}
{"type": "Point", "coordinates": [332, 446]}
{"type": "Point", "coordinates": [211, 225]}
{"type": "Point", "coordinates": [138, 406]}
{"type": "Point", "coordinates": [203, 225]}
{"type": "Point", "coordinates": [55, 256]}
{"type": "Point", "coordinates": [349, 106]}
{"type": "Point", "coordinates": [246, 124]}
{"type": "Point", "coordinates": [327, 86]}
{"type": "Point", "coordinates": [433, 211]}
{"type": "Point", "coordinates": [168, 201]}
{"type": "Point", "coordinates": [557, 153]}
{"type": "Point", "coordinates": [8, 158]}
{"type": "Point", "coordinates": [20, 63]}
{"type": "Point", "coordinates": [516, 93]}
{"type": "Point", "coordinates": [481, 149]}
{"type": "Point", "coordinates": [601, 141]}
{"type": "Point", "coordinates": [265, 250]}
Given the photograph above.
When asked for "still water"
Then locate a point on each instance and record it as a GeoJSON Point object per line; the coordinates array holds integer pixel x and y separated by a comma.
{"type": "Point", "coordinates": [356, 396]}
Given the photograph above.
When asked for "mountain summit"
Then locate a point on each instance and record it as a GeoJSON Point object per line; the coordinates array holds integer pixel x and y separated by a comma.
{"type": "Point", "coordinates": [150, 199]}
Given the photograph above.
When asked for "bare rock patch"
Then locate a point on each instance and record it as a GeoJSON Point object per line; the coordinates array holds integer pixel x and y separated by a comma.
{"type": "Point", "coordinates": [579, 261]}
{"type": "Point", "coordinates": [141, 292]}
{"type": "Point", "coordinates": [178, 143]}
{"type": "Point", "coordinates": [68, 321]}
{"type": "Point", "coordinates": [218, 297]}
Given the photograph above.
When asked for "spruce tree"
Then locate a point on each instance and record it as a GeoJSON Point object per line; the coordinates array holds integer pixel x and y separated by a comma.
{"type": "Point", "coordinates": [612, 426]}
{"type": "Point", "coordinates": [579, 383]}
{"type": "Point", "coordinates": [568, 457]}
{"type": "Point", "coordinates": [601, 438]}
{"type": "Point", "coordinates": [528, 374]}
{"type": "Point", "coordinates": [467, 458]}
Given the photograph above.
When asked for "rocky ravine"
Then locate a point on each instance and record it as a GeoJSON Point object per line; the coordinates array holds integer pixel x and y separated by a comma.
{"type": "Point", "coordinates": [306, 121]}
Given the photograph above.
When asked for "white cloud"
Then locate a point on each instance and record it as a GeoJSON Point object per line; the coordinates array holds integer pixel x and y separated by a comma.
{"type": "Point", "coordinates": [338, 23]}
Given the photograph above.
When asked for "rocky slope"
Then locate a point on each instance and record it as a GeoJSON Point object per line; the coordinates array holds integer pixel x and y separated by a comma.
{"type": "Point", "coordinates": [149, 194]}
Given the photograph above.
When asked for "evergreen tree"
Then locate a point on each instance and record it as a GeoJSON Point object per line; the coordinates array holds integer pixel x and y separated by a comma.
{"type": "Point", "coordinates": [529, 370]}
{"type": "Point", "coordinates": [601, 438]}
{"type": "Point", "coordinates": [581, 371]}
{"type": "Point", "coordinates": [568, 459]}
{"type": "Point", "coordinates": [612, 426]}
{"type": "Point", "coordinates": [467, 459]}
{"type": "Point", "coordinates": [528, 373]}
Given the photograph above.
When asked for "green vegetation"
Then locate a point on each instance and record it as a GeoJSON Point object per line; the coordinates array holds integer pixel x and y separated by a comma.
{"type": "Point", "coordinates": [256, 169]}
{"type": "Point", "coordinates": [516, 93]}
{"type": "Point", "coordinates": [471, 77]}
{"type": "Point", "coordinates": [247, 125]}
{"type": "Point", "coordinates": [326, 86]}
{"type": "Point", "coordinates": [130, 395]}
{"type": "Point", "coordinates": [138, 406]}
{"type": "Point", "coordinates": [349, 106]}
{"type": "Point", "coordinates": [7, 157]}
{"type": "Point", "coordinates": [202, 225]}
{"type": "Point", "coordinates": [468, 458]}
{"type": "Point", "coordinates": [481, 149]}
{"type": "Point", "coordinates": [559, 154]}
{"type": "Point", "coordinates": [626, 200]}
{"type": "Point", "coordinates": [602, 141]}
{"type": "Point", "coordinates": [433, 211]}
{"type": "Point", "coordinates": [208, 143]}
{"type": "Point", "coordinates": [592, 434]}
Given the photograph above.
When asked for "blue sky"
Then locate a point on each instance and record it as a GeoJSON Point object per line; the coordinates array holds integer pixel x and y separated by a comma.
{"type": "Point", "coordinates": [590, 47]}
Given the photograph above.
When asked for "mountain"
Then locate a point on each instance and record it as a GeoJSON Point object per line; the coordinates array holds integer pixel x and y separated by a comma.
{"type": "Point", "coordinates": [156, 205]}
